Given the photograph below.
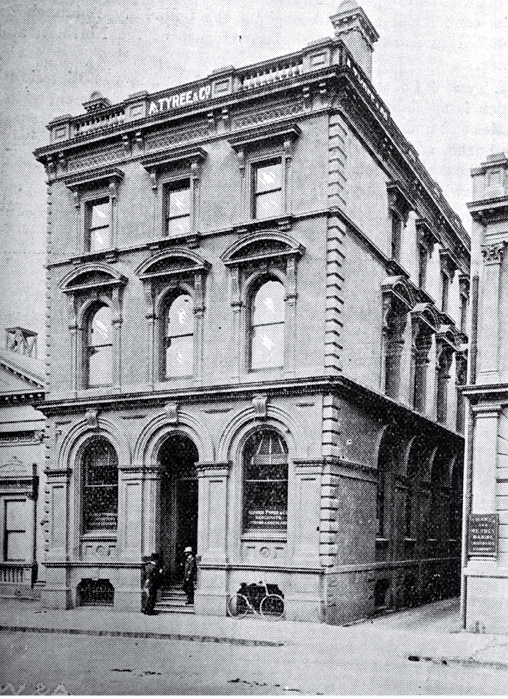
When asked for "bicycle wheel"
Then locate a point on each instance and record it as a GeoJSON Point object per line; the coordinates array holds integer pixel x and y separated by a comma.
{"type": "Point", "coordinates": [272, 607]}
{"type": "Point", "coordinates": [237, 606]}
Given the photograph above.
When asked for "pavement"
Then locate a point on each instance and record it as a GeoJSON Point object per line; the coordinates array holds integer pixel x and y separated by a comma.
{"type": "Point", "coordinates": [430, 633]}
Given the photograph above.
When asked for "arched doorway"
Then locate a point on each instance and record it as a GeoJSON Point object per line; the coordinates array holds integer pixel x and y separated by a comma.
{"type": "Point", "coordinates": [179, 502]}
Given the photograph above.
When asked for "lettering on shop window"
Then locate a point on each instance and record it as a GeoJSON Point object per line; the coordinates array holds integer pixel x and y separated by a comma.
{"type": "Point", "coordinates": [179, 100]}
{"type": "Point", "coordinates": [266, 519]}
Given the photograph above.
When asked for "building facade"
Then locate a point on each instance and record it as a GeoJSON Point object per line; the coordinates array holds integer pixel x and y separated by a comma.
{"type": "Point", "coordinates": [257, 309]}
{"type": "Point", "coordinates": [22, 460]}
{"type": "Point", "coordinates": [485, 598]}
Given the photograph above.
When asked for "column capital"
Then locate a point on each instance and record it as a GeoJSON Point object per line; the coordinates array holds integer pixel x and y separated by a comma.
{"type": "Point", "coordinates": [493, 253]}
{"type": "Point", "coordinates": [486, 409]}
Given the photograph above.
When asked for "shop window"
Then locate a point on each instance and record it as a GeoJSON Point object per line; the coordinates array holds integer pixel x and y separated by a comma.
{"type": "Point", "coordinates": [16, 544]}
{"type": "Point", "coordinates": [178, 341]}
{"type": "Point", "coordinates": [267, 189]}
{"type": "Point", "coordinates": [267, 312]}
{"type": "Point", "coordinates": [99, 347]}
{"type": "Point", "coordinates": [100, 486]}
{"type": "Point", "coordinates": [265, 482]}
{"type": "Point", "coordinates": [178, 208]}
{"type": "Point", "coordinates": [98, 225]}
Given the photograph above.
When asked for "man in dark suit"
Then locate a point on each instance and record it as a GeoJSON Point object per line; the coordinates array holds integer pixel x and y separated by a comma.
{"type": "Point", "coordinates": [189, 575]}
{"type": "Point", "coordinates": [153, 577]}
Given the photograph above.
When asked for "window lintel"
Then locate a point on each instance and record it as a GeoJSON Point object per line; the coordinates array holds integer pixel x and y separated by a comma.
{"type": "Point", "coordinates": [426, 235]}
{"type": "Point", "coordinates": [233, 255]}
{"type": "Point", "coordinates": [193, 156]}
{"type": "Point", "coordinates": [107, 277]}
{"type": "Point", "coordinates": [193, 263]}
{"type": "Point", "coordinates": [285, 133]}
{"type": "Point", "coordinates": [94, 177]}
{"type": "Point", "coordinates": [399, 200]}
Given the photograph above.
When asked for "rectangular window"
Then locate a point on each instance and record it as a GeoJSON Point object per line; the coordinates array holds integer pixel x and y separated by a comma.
{"type": "Point", "coordinates": [463, 313]}
{"type": "Point", "coordinates": [267, 189]}
{"type": "Point", "coordinates": [178, 205]}
{"type": "Point", "coordinates": [445, 286]}
{"type": "Point", "coordinates": [422, 268]}
{"type": "Point", "coordinates": [396, 236]}
{"type": "Point", "coordinates": [16, 544]}
{"type": "Point", "coordinates": [98, 225]}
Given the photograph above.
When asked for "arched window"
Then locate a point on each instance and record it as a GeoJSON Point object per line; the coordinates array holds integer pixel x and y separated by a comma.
{"type": "Point", "coordinates": [267, 326]}
{"type": "Point", "coordinates": [99, 347]}
{"type": "Point", "coordinates": [178, 340]}
{"type": "Point", "coordinates": [99, 506]}
{"type": "Point", "coordinates": [265, 482]}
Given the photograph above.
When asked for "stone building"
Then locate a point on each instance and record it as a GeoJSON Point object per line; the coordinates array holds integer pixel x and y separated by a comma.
{"type": "Point", "coordinates": [21, 466]}
{"type": "Point", "coordinates": [485, 595]}
{"type": "Point", "coordinates": [257, 307]}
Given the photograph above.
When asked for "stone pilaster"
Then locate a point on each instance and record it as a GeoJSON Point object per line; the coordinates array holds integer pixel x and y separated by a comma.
{"type": "Point", "coordinates": [490, 316]}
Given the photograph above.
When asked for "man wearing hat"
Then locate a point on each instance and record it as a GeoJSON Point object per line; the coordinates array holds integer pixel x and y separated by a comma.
{"type": "Point", "coordinates": [189, 575]}
{"type": "Point", "coordinates": [153, 577]}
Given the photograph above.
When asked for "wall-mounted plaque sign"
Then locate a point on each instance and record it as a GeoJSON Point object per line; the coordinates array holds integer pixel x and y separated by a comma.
{"type": "Point", "coordinates": [483, 535]}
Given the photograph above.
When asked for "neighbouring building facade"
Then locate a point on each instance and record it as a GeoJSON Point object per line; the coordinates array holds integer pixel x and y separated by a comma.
{"type": "Point", "coordinates": [485, 599]}
{"type": "Point", "coordinates": [22, 460]}
{"type": "Point", "coordinates": [257, 311]}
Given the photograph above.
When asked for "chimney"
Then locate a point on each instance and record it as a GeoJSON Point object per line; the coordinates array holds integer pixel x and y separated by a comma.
{"type": "Point", "coordinates": [355, 29]}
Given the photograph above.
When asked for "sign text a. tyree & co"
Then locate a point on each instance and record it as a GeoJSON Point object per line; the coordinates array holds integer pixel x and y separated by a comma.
{"type": "Point", "coordinates": [178, 100]}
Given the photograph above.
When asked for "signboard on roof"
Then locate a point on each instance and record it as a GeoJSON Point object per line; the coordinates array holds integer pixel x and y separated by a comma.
{"type": "Point", "coordinates": [178, 100]}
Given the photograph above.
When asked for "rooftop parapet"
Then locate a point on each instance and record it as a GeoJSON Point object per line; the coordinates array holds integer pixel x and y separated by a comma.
{"type": "Point", "coordinates": [316, 62]}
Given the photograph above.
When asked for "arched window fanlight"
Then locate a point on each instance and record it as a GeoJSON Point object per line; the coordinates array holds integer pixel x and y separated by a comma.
{"type": "Point", "coordinates": [267, 314]}
{"type": "Point", "coordinates": [99, 349]}
{"type": "Point", "coordinates": [179, 337]}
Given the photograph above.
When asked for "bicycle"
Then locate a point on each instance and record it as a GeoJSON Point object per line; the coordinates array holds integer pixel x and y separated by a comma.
{"type": "Point", "coordinates": [265, 604]}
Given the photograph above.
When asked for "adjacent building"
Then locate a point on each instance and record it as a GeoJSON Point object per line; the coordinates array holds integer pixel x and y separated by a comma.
{"type": "Point", "coordinates": [485, 598]}
{"type": "Point", "coordinates": [257, 304]}
{"type": "Point", "coordinates": [22, 459]}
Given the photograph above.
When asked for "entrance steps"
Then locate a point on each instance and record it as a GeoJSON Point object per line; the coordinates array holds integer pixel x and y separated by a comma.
{"type": "Point", "coordinates": [173, 599]}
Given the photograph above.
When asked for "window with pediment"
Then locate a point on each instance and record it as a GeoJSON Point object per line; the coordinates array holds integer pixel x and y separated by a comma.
{"type": "Point", "coordinates": [263, 298]}
{"type": "Point", "coordinates": [397, 303]}
{"type": "Point", "coordinates": [94, 293]}
{"type": "Point", "coordinates": [424, 322]}
{"type": "Point", "coordinates": [175, 181]}
{"type": "Point", "coordinates": [265, 162]}
{"type": "Point", "coordinates": [399, 206]}
{"type": "Point", "coordinates": [174, 289]}
{"type": "Point", "coordinates": [178, 335]}
{"type": "Point", "coordinates": [267, 315]}
{"type": "Point", "coordinates": [98, 352]}
{"type": "Point", "coordinates": [95, 199]}
{"type": "Point", "coordinates": [267, 188]}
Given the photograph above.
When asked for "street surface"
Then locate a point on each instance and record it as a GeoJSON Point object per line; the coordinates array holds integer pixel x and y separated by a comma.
{"type": "Point", "coordinates": [37, 663]}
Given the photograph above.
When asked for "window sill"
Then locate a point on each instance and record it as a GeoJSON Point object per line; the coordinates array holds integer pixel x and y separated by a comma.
{"type": "Point", "coordinates": [264, 536]}
{"type": "Point", "coordinates": [98, 535]}
{"type": "Point", "coordinates": [380, 541]}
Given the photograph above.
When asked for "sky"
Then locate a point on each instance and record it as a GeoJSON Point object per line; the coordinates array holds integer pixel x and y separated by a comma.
{"type": "Point", "coordinates": [440, 67]}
